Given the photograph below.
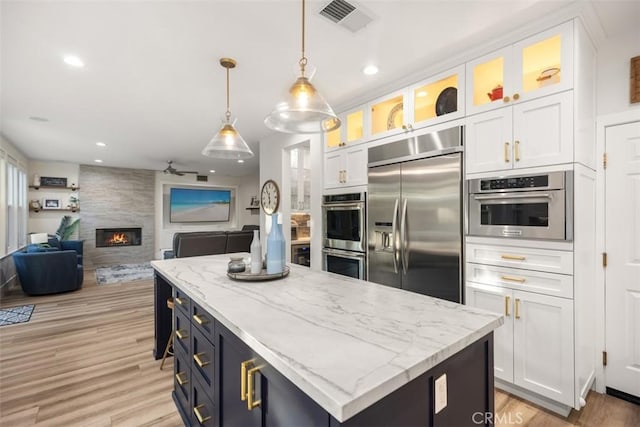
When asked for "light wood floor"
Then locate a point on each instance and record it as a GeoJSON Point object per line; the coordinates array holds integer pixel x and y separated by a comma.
{"type": "Point", "coordinates": [84, 359]}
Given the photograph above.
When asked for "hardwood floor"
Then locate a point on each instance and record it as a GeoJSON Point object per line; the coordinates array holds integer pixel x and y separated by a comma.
{"type": "Point", "coordinates": [84, 359]}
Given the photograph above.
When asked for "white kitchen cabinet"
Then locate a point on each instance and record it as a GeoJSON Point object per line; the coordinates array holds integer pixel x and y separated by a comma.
{"type": "Point", "coordinates": [534, 133]}
{"type": "Point", "coordinates": [346, 167]}
{"type": "Point", "coordinates": [534, 67]}
{"type": "Point", "coordinates": [521, 257]}
{"type": "Point", "coordinates": [300, 179]}
{"type": "Point", "coordinates": [533, 349]}
{"type": "Point", "coordinates": [352, 130]}
{"type": "Point", "coordinates": [389, 114]}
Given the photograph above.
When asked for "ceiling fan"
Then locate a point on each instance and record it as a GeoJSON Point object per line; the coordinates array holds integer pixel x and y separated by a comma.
{"type": "Point", "coordinates": [170, 170]}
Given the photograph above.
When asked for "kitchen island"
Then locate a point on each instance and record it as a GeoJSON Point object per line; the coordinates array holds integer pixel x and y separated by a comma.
{"type": "Point", "coordinates": [316, 348]}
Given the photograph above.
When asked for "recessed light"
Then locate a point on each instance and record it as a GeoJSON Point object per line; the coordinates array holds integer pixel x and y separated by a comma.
{"type": "Point", "coordinates": [240, 161]}
{"type": "Point", "coordinates": [422, 93]}
{"type": "Point", "coordinates": [38, 119]}
{"type": "Point", "coordinates": [212, 171]}
{"type": "Point", "coordinates": [74, 61]}
{"type": "Point", "coordinates": [98, 161]}
{"type": "Point", "coordinates": [370, 70]}
{"type": "Point", "coordinates": [101, 144]}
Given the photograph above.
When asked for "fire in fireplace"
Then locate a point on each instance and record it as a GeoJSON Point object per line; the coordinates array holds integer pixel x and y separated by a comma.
{"type": "Point", "coordinates": [117, 237]}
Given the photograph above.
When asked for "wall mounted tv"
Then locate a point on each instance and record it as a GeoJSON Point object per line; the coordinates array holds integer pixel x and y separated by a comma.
{"type": "Point", "coordinates": [199, 205]}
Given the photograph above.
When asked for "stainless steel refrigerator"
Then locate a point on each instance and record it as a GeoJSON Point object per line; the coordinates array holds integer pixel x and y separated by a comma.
{"type": "Point", "coordinates": [414, 214]}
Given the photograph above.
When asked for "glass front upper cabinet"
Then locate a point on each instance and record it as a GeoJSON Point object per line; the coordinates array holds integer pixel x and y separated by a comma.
{"type": "Point", "coordinates": [439, 98]}
{"type": "Point", "coordinates": [534, 67]}
{"type": "Point", "coordinates": [388, 115]}
{"type": "Point", "coordinates": [351, 130]}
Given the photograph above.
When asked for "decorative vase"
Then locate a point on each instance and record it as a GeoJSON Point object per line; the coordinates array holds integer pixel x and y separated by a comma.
{"type": "Point", "coordinates": [275, 247]}
{"type": "Point", "coordinates": [256, 253]}
{"type": "Point", "coordinates": [36, 180]}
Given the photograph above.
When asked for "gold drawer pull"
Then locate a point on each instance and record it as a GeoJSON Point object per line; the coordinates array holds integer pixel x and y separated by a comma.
{"type": "Point", "coordinates": [180, 379]}
{"type": "Point", "coordinates": [506, 152]}
{"type": "Point", "coordinates": [251, 403]}
{"type": "Point", "coordinates": [514, 279]}
{"type": "Point", "coordinates": [243, 378]}
{"type": "Point", "coordinates": [182, 334]}
{"type": "Point", "coordinates": [198, 358]}
{"type": "Point", "coordinates": [200, 319]}
{"type": "Point", "coordinates": [506, 306]}
{"type": "Point", "coordinates": [180, 301]}
{"type": "Point", "coordinates": [517, 308]}
{"type": "Point", "coordinates": [516, 147]}
{"type": "Point", "coordinates": [201, 419]}
{"type": "Point", "coordinates": [513, 257]}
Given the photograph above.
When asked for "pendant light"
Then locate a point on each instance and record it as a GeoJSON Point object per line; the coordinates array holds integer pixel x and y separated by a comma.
{"type": "Point", "coordinates": [228, 144]}
{"type": "Point", "coordinates": [304, 110]}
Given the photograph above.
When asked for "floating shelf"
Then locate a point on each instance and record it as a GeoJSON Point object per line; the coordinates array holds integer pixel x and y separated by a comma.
{"type": "Point", "coordinates": [53, 187]}
{"type": "Point", "coordinates": [252, 208]}
{"type": "Point", "coordinates": [54, 210]}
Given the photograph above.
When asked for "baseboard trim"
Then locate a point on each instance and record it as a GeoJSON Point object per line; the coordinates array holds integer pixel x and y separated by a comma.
{"type": "Point", "coordinates": [551, 405]}
{"type": "Point", "coordinates": [622, 395]}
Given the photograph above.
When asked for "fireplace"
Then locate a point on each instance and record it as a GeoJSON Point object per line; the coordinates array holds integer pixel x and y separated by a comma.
{"type": "Point", "coordinates": [118, 237]}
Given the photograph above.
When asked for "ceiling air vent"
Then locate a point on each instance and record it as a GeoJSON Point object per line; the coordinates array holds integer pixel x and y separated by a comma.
{"type": "Point", "coordinates": [203, 178]}
{"type": "Point", "coordinates": [346, 15]}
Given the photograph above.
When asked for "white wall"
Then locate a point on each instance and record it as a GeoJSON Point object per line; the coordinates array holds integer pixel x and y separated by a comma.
{"type": "Point", "coordinates": [47, 221]}
{"type": "Point", "coordinates": [245, 188]}
{"type": "Point", "coordinates": [612, 82]}
{"type": "Point", "coordinates": [274, 165]}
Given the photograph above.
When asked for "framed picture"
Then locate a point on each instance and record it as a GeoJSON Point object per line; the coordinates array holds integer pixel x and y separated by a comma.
{"type": "Point", "coordinates": [51, 204]}
{"type": "Point", "coordinates": [255, 203]}
{"type": "Point", "coordinates": [51, 181]}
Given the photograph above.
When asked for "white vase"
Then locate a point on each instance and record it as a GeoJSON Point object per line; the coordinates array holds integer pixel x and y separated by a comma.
{"type": "Point", "coordinates": [256, 253]}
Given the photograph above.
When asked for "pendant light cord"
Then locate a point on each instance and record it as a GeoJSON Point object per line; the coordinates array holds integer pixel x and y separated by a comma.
{"type": "Point", "coordinates": [303, 59]}
{"type": "Point", "coordinates": [228, 113]}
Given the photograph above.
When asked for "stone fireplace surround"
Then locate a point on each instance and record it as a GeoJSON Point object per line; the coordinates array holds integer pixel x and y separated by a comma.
{"type": "Point", "coordinates": [116, 198]}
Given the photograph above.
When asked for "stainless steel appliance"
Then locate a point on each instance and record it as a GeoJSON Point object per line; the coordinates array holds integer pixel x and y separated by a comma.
{"type": "Point", "coordinates": [347, 263]}
{"type": "Point", "coordinates": [344, 234]}
{"type": "Point", "coordinates": [343, 225]}
{"type": "Point", "coordinates": [414, 219]}
{"type": "Point", "coordinates": [301, 254]}
{"type": "Point", "coordinates": [536, 206]}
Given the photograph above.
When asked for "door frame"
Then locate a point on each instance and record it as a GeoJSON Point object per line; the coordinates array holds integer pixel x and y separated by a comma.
{"type": "Point", "coordinates": [602, 123]}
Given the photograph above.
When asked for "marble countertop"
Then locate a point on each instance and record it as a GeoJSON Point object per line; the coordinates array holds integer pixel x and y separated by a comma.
{"type": "Point", "coordinates": [346, 343]}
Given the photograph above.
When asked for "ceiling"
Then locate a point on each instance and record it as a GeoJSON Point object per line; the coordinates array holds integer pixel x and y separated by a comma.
{"type": "Point", "coordinates": [152, 88]}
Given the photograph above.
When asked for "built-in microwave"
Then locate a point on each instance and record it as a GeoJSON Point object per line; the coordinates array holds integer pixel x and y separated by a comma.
{"type": "Point", "coordinates": [344, 222]}
{"type": "Point", "coordinates": [536, 206]}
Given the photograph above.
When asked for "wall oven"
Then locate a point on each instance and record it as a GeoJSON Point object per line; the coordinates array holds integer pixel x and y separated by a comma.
{"type": "Point", "coordinates": [536, 206]}
{"type": "Point", "coordinates": [343, 222]}
{"type": "Point", "coordinates": [344, 234]}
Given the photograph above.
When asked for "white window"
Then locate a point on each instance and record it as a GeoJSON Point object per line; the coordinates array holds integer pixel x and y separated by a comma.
{"type": "Point", "coordinates": [16, 207]}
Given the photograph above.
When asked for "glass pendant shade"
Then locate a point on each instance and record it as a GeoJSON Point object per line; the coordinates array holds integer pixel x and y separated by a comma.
{"type": "Point", "coordinates": [228, 144]}
{"type": "Point", "coordinates": [303, 110]}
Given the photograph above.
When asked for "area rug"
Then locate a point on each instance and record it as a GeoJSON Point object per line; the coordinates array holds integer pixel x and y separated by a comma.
{"type": "Point", "coordinates": [123, 273]}
{"type": "Point", "coordinates": [13, 315]}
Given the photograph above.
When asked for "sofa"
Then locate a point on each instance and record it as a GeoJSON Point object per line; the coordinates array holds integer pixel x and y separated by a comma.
{"type": "Point", "coordinates": [48, 272]}
{"type": "Point", "coordinates": [210, 243]}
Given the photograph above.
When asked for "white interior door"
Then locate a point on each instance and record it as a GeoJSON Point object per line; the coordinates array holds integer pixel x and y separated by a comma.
{"type": "Point", "coordinates": [622, 241]}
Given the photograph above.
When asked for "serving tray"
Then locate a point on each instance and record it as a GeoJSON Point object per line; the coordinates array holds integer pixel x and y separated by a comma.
{"type": "Point", "coordinates": [263, 275]}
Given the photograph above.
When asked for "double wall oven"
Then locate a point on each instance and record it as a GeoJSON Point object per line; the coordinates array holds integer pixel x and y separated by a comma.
{"type": "Point", "coordinates": [536, 206]}
{"type": "Point", "coordinates": [344, 235]}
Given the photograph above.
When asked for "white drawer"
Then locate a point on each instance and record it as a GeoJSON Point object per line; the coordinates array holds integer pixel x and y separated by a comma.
{"type": "Point", "coordinates": [557, 285]}
{"type": "Point", "coordinates": [548, 260]}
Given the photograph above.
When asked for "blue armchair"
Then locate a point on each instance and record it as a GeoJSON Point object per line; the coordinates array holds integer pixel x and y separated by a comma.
{"type": "Point", "coordinates": [49, 272]}
{"type": "Point", "coordinates": [65, 245]}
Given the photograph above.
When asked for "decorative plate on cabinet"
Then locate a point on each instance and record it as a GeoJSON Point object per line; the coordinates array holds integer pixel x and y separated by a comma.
{"type": "Point", "coordinates": [391, 118]}
{"type": "Point", "coordinates": [447, 101]}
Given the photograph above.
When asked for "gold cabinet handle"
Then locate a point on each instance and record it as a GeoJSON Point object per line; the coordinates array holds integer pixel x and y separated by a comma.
{"type": "Point", "coordinates": [506, 99]}
{"type": "Point", "coordinates": [180, 379]}
{"type": "Point", "coordinates": [200, 319]}
{"type": "Point", "coordinates": [512, 257]}
{"type": "Point", "coordinates": [516, 96]}
{"type": "Point", "coordinates": [201, 419]}
{"type": "Point", "coordinates": [506, 152]}
{"type": "Point", "coordinates": [517, 150]}
{"type": "Point", "coordinates": [180, 301]}
{"type": "Point", "coordinates": [517, 308]}
{"type": "Point", "coordinates": [251, 402]}
{"type": "Point", "coordinates": [182, 334]}
{"type": "Point", "coordinates": [198, 358]}
{"type": "Point", "coordinates": [506, 306]}
{"type": "Point", "coordinates": [243, 378]}
{"type": "Point", "coordinates": [513, 279]}
{"type": "Point", "coordinates": [344, 176]}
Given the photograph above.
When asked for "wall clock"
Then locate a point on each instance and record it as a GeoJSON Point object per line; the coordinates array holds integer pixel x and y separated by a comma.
{"type": "Point", "coordinates": [270, 197]}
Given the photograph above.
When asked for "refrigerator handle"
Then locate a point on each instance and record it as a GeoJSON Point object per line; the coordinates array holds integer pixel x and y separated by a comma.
{"type": "Point", "coordinates": [394, 247]}
{"type": "Point", "coordinates": [404, 250]}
